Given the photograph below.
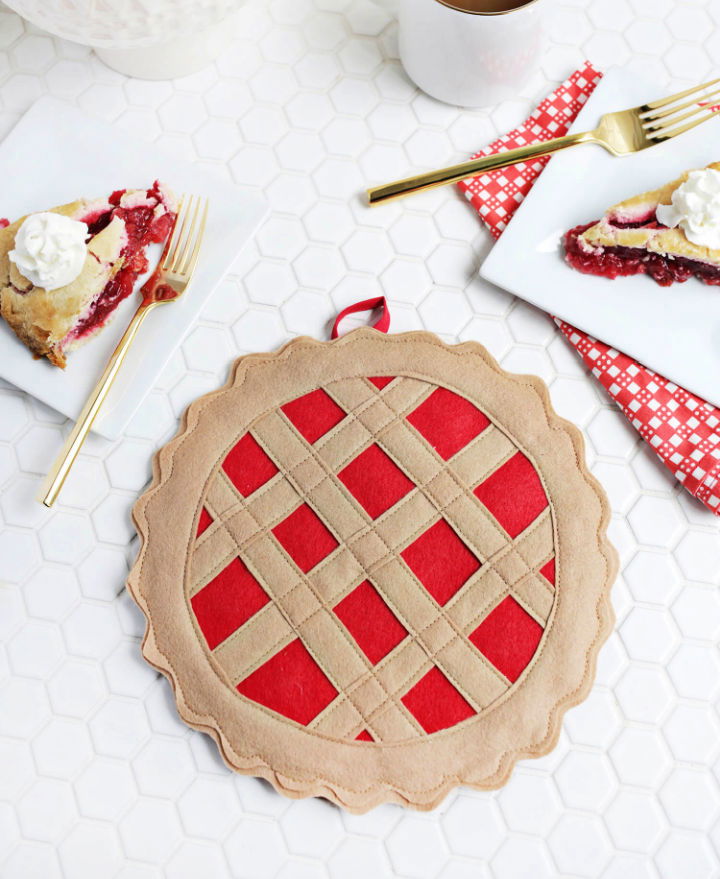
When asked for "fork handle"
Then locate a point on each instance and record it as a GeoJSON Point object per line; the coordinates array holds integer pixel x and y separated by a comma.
{"type": "Point", "coordinates": [456, 173]}
{"type": "Point", "coordinates": [64, 461]}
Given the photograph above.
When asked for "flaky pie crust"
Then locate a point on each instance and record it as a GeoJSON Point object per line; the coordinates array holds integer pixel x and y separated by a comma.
{"type": "Point", "coordinates": [662, 241]}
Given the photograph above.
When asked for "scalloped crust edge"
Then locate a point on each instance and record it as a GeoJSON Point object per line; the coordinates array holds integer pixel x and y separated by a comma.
{"type": "Point", "coordinates": [253, 765]}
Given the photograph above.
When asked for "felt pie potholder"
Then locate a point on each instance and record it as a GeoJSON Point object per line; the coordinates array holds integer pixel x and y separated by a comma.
{"type": "Point", "coordinates": [375, 568]}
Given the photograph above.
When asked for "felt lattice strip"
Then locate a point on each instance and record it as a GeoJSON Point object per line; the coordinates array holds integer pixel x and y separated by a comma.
{"type": "Point", "coordinates": [448, 646]}
{"type": "Point", "coordinates": [442, 640]}
{"type": "Point", "coordinates": [306, 614]}
{"type": "Point", "coordinates": [335, 438]}
{"type": "Point", "coordinates": [347, 556]}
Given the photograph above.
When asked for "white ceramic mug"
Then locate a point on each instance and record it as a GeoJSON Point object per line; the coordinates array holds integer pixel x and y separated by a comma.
{"type": "Point", "coordinates": [472, 53]}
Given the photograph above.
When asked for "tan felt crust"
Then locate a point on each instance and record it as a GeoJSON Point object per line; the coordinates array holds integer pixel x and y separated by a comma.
{"type": "Point", "coordinates": [419, 771]}
{"type": "Point", "coordinates": [661, 241]}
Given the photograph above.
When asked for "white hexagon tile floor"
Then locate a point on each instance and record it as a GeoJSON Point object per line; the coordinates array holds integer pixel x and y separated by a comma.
{"type": "Point", "coordinates": [98, 777]}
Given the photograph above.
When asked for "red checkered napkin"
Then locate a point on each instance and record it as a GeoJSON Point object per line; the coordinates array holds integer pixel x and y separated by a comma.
{"type": "Point", "coordinates": [683, 429]}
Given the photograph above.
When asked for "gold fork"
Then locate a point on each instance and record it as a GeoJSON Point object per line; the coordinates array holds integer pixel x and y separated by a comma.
{"type": "Point", "coordinates": [168, 283]}
{"type": "Point", "coordinates": [621, 133]}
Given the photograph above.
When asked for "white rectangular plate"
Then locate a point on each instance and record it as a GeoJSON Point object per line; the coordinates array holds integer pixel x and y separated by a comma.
{"type": "Point", "coordinates": [673, 330]}
{"type": "Point", "coordinates": [56, 154]}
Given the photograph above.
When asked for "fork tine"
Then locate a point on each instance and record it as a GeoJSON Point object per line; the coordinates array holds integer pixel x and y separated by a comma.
{"type": "Point", "coordinates": [668, 132]}
{"type": "Point", "coordinates": [192, 240]}
{"type": "Point", "coordinates": [181, 229]}
{"type": "Point", "coordinates": [189, 268]}
{"type": "Point", "coordinates": [172, 245]}
{"type": "Point", "coordinates": [651, 116]}
{"type": "Point", "coordinates": [189, 239]}
{"type": "Point", "coordinates": [180, 244]}
{"type": "Point", "coordinates": [671, 99]}
{"type": "Point", "coordinates": [653, 126]}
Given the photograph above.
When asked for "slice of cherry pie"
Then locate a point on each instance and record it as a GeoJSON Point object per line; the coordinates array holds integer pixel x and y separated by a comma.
{"type": "Point", "coordinates": [61, 281]}
{"type": "Point", "coordinates": [671, 233]}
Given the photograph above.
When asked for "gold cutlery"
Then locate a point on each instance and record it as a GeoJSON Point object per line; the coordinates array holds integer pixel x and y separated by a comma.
{"type": "Point", "coordinates": [167, 284]}
{"type": "Point", "coordinates": [621, 133]}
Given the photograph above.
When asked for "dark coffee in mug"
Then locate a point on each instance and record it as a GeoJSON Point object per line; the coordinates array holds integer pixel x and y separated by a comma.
{"type": "Point", "coordinates": [485, 7]}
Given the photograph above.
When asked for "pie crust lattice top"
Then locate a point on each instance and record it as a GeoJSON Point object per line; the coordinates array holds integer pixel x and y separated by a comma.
{"type": "Point", "coordinates": [371, 568]}
{"type": "Point", "coordinates": [380, 546]}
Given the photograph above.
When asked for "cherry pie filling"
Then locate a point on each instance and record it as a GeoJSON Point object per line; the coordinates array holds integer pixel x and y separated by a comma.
{"type": "Point", "coordinates": [612, 262]}
{"type": "Point", "coordinates": [143, 227]}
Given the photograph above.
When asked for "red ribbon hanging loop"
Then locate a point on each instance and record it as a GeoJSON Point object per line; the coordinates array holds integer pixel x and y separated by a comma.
{"type": "Point", "coordinates": [382, 323]}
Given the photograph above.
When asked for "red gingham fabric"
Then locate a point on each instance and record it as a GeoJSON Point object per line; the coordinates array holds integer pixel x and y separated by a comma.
{"type": "Point", "coordinates": [683, 429]}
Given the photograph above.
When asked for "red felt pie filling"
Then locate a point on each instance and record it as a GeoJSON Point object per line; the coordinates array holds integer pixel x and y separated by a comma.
{"type": "Point", "coordinates": [142, 227]}
{"type": "Point", "coordinates": [612, 262]}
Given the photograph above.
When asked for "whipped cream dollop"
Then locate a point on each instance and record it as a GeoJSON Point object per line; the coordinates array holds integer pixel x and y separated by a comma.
{"type": "Point", "coordinates": [50, 249]}
{"type": "Point", "coordinates": [695, 208]}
